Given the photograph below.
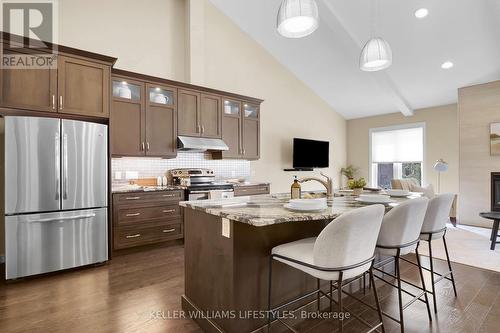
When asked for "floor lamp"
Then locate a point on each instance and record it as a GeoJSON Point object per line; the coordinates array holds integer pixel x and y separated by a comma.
{"type": "Point", "coordinates": [440, 166]}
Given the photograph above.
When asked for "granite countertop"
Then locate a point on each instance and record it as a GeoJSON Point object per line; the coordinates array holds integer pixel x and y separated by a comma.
{"type": "Point", "coordinates": [263, 210]}
{"type": "Point", "coordinates": [133, 188]}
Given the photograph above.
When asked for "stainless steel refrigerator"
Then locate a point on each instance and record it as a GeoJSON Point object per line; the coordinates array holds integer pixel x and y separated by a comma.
{"type": "Point", "coordinates": [56, 194]}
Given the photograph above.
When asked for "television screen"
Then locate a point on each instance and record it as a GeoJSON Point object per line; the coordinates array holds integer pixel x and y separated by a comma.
{"type": "Point", "coordinates": [310, 153]}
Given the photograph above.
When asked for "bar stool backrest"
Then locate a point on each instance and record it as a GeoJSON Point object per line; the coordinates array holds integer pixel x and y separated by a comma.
{"type": "Point", "coordinates": [350, 239]}
{"type": "Point", "coordinates": [438, 212]}
{"type": "Point", "coordinates": [403, 223]}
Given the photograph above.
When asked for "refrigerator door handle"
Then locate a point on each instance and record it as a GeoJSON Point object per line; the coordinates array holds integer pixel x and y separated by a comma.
{"type": "Point", "coordinates": [57, 166]}
{"type": "Point", "coordinates": [65, 166]}
{"type": "Point", "coordinates": [76, 217]}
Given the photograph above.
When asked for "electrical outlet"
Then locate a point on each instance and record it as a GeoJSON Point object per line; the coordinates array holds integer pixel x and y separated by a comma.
{"type": "Point", "coordinates": [226, 228]}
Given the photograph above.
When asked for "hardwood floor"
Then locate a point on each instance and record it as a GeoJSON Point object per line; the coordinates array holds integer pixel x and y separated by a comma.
{"type": "Point", "coordinates": [121, 296]}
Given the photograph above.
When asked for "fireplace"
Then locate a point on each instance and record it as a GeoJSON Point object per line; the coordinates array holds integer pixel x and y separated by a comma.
{"type": "Point", "coordinates": [495, 191]}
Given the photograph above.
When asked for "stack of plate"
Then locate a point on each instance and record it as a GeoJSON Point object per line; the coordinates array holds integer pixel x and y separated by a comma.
{"type": "Point", "coordinates": [398, 193]}
{"type": "Point", "coordinates": [307, 205]}
{"type": "Point", "coordinates": [374, 198]}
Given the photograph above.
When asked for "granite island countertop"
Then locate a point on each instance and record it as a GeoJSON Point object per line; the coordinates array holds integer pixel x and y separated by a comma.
{"type": "Point", "coordinates": [263, 210]}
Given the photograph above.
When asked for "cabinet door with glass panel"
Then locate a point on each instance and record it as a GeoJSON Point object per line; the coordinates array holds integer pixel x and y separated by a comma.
{"type": "Point", "coordinates": [161, 120]}
{"type": "Point", "coordinates": [250, 131]}
{"type": "Point", "coordinates": [231, 128]}
{"type": "Point", "coordinates": [127, 121]}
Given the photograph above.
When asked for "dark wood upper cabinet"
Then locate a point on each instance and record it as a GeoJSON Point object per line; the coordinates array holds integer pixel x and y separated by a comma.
{"type": "Point", "coordinates": [199, 114]}
{"type": "Point", "coordinates": [231, 129]}
{"type": "Point", "coordinates": [188, 113]}
{"type": "Point", "coordinates": [250, 131]}
{"type": "Point", "coordinates": [78, 85]}
{"type": "Point", "coordinates": [83, 87]}
{"type": "Point", "coordinates": [127, 119]}
{"type": "Point", "coordinates": [29, 89]}
{"type": "Point", "coordinates": [143, 119]}
{"type": "Point", "coordinates": [210, 116]}
{"type": "Point", "coordinates": [240, 130]}
{"type": "Point", "coordinates": [161, 120]}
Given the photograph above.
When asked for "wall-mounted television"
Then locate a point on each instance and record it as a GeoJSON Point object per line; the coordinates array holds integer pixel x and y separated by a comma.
{"type": "Point", "coordinates": [308, 154]}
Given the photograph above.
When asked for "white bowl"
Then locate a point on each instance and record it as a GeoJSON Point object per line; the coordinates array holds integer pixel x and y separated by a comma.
{"type": "Point", "coordinates": [398, 193]}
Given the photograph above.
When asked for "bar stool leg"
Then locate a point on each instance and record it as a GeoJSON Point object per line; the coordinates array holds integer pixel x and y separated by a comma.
{"type": "Point", "coordinates": [341, 308]}
{"type": "Point", "coordinates": [423, 283]}
{"type": "Point", "coordinates": [318, 296]}
{"type": "Point", "coordinates": [331, 296]}
{"type": "Point", "coordinates": [269, 313]}
{"type": "Point", "coordinates": [432, 276]}
{"type": "Point", "coordinates": [377, 302]}
{"type": "Point", "coordinates": [400, 296]}
{"type": "Point", "coordinates": [449, 265]}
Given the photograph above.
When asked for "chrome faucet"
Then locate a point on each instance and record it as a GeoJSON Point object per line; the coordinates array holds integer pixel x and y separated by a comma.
{"type": "Point", "coordinates": [328, 184]}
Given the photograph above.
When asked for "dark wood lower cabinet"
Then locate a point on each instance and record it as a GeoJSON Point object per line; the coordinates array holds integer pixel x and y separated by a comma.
{"type": "Point", "coordinates": [141, 218]}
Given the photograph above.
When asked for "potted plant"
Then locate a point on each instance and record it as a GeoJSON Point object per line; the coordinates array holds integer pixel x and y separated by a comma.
{"type": "Point", "coordinates": [356, 185]}
{"type": "Point", "coordinates": [349, 171]}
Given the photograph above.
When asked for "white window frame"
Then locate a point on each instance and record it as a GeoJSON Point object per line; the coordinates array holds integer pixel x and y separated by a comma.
{"type": "Point", "coordinates": [392, 128]}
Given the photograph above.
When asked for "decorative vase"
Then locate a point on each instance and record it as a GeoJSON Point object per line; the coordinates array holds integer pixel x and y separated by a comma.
{"type": "Point", "coordinates": [357, 191]}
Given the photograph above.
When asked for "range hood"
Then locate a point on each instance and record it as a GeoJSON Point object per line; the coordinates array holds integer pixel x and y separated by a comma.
{"type": "Point", "coordinates": [192, 144]}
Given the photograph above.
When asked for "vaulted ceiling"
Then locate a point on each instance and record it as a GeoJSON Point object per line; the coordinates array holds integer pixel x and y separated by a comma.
{"type": "Point", "coordinates": [466, 32]}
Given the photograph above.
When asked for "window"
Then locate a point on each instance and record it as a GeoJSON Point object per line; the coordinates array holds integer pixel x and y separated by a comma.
{"type": "Point", "coordinates": [396, 152]}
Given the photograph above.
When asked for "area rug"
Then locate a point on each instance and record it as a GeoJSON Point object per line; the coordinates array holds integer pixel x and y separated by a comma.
{"type": "Point", "coordinates": [466, 245]}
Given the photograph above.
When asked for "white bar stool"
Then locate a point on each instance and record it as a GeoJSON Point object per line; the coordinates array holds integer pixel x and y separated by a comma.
{"type": "Point", "coordinates": [399, 235]}
{"type": "Point", "coordinates": [343, 251]}
{"type": "Point", "coordinates": [434, 227]}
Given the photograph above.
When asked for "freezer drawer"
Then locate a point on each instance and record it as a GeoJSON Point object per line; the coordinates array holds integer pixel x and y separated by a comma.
{"type": "Point", "coordinates": [41, 243]}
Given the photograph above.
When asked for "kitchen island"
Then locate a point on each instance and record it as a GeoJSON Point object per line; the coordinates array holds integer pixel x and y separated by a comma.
{"type": "Point", "coordinates": [227, 249]}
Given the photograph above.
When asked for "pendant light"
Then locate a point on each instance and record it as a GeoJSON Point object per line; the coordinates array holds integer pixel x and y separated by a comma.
{"type": "Point", "coordinates": [376, 54]}
{"type": "Point", "coordinates": [297, 18]}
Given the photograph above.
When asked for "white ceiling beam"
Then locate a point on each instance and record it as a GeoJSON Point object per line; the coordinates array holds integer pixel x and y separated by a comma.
{"type": "Point", "coordinates": [382, 78]}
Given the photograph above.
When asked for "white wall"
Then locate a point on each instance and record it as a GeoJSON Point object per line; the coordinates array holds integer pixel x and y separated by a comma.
{"type": "Point", "coordinates": [146, 36]}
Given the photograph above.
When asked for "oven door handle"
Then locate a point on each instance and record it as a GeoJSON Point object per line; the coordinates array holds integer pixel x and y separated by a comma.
{"type": "Point", "coordinates": [208, 191]}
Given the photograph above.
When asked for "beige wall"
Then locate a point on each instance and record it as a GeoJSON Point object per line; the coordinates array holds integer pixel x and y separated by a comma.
{"type": "Point", "coordinates": [235, 62]}
{"type": "Point", "coordinates": [478, 107]}
{"type": "Point", "coordinates": [441, 126]}
{"type": "Point", "coordinates": [146, 36]}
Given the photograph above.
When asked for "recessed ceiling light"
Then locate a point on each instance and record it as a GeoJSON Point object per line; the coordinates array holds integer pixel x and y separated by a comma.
{"type": "Point", "coordinates": [421, 13]}
{"type": "Point", "coordinates": [447, 65]}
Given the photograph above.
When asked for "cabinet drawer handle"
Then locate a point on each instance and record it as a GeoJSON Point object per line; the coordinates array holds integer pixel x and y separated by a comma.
{"type": "Point", "coordinates": [60, 102]}
{"type": "Point", "coordinates": [133, 214]}
{"type": "Point", "coordinates": [133, 236]}
{"type": "Point", "coordinates": [132, 198]}
{"type": "Point", "coordinates": [168, 230]}
{"type": "Point", "coordinates": [202, 129]}
{"type": "Point", "coordinates": [169, 210]}
{"type": "Point", "coordinates": [147, 146]}
{"type": "Point", "coordinates": [169, 195]}
{"type": "Point", "coordinates": [142, 146]}
{"type": "Point", "coordinates": [53, 102]}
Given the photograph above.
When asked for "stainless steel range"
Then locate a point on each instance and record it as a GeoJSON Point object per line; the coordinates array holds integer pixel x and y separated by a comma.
{"type": "Point", "coordinates": [200, 184]}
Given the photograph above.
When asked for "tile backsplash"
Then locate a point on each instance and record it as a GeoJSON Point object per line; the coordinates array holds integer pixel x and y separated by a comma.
{"type": "Point", "coordinates": [154, 167]}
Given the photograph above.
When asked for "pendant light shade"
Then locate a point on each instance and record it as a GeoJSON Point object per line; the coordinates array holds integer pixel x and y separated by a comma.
{"type": "Point", "coordinates": [376, 55]}
{"type": "Point", "coordinates": [297, 18]}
